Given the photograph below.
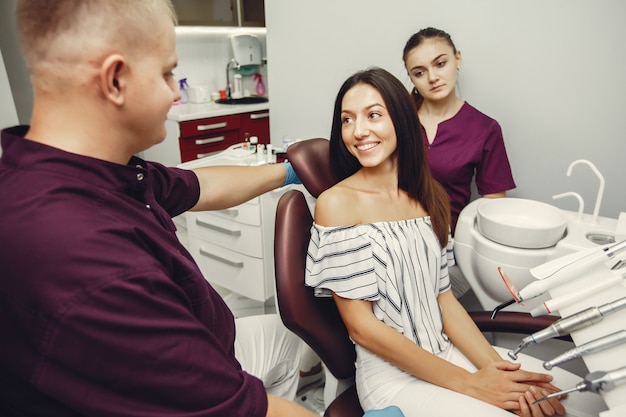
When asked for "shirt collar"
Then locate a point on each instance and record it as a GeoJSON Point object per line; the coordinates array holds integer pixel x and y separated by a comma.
{"type": "Point", "coordinates": [24, 154]}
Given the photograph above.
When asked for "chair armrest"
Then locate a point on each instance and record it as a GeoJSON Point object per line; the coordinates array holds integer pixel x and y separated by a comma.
{"type": "Point", "coordinates": [513, 322]}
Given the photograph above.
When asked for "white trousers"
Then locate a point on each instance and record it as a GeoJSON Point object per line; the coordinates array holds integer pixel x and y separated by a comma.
{"type": "Point", "coordinates": [381, 384]}
{"type": "Point", "coordinates": [268, 350]}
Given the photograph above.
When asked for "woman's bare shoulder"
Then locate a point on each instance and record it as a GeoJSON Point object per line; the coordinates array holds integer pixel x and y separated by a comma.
{"type": "Point", "coordinates": [337, 206]}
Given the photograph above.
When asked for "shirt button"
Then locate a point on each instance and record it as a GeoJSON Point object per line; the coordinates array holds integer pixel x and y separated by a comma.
{"type": "Point", "coordinates": [140, 176]}
{"type": "Point", "coordinates": [148, 206]}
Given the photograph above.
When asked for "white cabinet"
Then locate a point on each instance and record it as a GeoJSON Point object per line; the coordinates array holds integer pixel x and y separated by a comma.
{"type": "Point", "coordinates": [234, 248]}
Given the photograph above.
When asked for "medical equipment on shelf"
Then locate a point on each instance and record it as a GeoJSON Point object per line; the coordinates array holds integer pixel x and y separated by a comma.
{"type": "Point", "coordinates": [596, 345]}
{"type": "Point", "coordinates": [594, 382]}
{"type": "Point", "coordinates": [555, 304]}
{"type": "Point", "coordinates": [558, 271]}
{"type": "Point", "coordinates": [566, 325]}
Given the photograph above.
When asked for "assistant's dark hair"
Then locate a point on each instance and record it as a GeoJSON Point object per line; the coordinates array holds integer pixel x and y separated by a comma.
{"type": "Point", "coordinates": [414, 174]}
{"type": "Point", "coordinates": [416, 40]}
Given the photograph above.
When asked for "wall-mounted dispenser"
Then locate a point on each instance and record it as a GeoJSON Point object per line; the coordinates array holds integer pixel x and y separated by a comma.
{"type": "Point", "coordinates": [246, 49]}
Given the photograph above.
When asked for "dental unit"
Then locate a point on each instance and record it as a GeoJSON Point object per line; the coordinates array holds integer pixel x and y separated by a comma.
{"type": "Point", "coordinates": [556, 261]}
{"type": "Point", "coordinates": [596, 345]}
{"type": "Point", "coordinates": [594, 382]}
{"type": "Point", "coordinates": [565, 326]}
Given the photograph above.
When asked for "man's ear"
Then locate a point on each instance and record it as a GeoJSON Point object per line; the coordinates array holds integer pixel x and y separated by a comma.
{"type": "Point", "coordinates": [113, 78]}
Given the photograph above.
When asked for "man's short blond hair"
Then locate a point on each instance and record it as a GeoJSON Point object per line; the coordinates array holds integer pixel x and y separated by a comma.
{"type": "Point", "coordinates": [64, 31]}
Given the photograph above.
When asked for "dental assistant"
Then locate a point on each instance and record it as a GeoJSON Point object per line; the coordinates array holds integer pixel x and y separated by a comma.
{"type": "Point", "coordinates": [462, 143]}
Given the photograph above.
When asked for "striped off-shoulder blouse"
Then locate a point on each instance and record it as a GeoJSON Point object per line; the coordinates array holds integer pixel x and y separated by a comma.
{"type": "Point", "coordinates": [399, 266]}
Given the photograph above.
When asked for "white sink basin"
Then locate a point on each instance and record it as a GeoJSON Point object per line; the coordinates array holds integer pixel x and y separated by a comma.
{"type": "Point", "coordinates": [521, 223]}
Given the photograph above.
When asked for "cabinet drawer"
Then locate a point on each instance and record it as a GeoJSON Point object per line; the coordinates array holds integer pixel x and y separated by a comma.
{"type": "Point", "coordinates": [208, 141]}
{"type": "Point", "coordinates": [247, 213]}
{"type": "Point", "coordinates": [236, 272]}
{"type": "Point", "coordinates": [190, 151]}
{"type": "Point", "coordinates": [205, 126]}
{"type": "Point", "coordinates": [239, 237]}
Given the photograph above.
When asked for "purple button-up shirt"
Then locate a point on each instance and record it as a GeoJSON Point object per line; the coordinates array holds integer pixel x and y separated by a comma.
{"type": "Point", "coordinates": [102, 311]}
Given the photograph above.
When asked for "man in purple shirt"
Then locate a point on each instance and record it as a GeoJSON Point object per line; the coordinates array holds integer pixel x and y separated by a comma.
{"type": "Point", "coordinates": [103, 311]}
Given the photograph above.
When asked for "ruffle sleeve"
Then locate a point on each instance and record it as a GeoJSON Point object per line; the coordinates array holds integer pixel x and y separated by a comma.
{"type": "Point", "coordinates": [340, 260]}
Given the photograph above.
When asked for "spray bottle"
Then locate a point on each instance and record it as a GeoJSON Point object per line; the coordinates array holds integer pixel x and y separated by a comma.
{"type": "Point", "coordinates": [260, 87]}
{"type": "Point", "coordinates": [184, 94]}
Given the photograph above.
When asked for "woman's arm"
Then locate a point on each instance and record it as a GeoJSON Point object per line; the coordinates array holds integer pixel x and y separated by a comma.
{"type": "Point", "coordinates": [467, 337]}
{"type": "Point", "coordinates": [463, 332]}
{"type": "Point", "coordinates": [490, 384]}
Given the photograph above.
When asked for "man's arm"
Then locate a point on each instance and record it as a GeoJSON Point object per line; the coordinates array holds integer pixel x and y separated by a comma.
{"type": "Point", "coordinates": [227, 186]}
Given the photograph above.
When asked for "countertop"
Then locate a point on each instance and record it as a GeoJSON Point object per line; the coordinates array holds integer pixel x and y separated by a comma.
{"type": "Point", "coordinates": [194, 111]}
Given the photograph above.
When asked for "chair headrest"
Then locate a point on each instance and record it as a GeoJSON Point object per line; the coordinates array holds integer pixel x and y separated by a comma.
{"type": "Point", "coordinates": [310, 159]}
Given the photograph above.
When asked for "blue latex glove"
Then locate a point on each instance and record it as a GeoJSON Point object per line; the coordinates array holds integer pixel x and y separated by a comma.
{"type": "Point", "coordinates": [391, 411]}
{"type": "Point", "coordinates": [291, 177]}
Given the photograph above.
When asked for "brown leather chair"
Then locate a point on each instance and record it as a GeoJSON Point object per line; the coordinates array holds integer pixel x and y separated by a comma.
{"type": "Point", "coordinates": [316, 320]}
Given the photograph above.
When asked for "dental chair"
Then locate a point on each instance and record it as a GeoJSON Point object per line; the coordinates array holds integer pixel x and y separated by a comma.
{"type": "Point", "coordinates": [317, 320]}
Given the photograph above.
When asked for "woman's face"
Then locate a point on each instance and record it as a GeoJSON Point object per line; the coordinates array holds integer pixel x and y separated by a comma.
{"type": "Point", "coordinates": [432, 67]}
{"type": "Point", "coordinates": [366, 126]}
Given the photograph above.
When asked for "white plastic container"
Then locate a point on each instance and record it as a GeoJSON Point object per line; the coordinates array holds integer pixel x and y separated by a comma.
{"type": "Point", "coordinates": [254, 141]}
{"type": "Point", "coordinates": [199, 94]}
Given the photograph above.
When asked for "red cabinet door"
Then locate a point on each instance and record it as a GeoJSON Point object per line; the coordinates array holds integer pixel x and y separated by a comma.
{"type": "Point", "coordinates": [256, 124]}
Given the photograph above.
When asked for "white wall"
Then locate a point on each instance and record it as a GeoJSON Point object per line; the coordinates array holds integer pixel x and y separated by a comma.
{"type": "Point", "coordinates": [551, 72]}
{"type": "Point", "coordinates": [14, 62]}
{"type": "Point", "coordinates": [8, 115]}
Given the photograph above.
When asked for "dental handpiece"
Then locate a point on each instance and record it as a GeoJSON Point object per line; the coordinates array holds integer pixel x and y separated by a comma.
{"type": "Point", "coordinates": [554, 304]}
{"type": "Point", "coordinates": [596, 345]}
{"type": "Point", "coordinates": [566, 325]}
{"type": "Point", "coordinates": [594, 382]}
{"type": "Point", "coordinates": [560, 276]}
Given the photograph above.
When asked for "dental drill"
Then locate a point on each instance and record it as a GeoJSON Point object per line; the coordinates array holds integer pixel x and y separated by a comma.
{"type": "Point", "coordinates": [565, 326]}
{"type": "Point", "coordinates": [594, 382]}
{"type": "Point", "coordinates": [557, 272]}
{"type": "Point", "coordinates": [596, 345]}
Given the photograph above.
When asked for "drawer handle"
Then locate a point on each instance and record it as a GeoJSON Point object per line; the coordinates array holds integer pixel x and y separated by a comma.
{"type": "Point", "coordinates": [203, 155]}
{"type": "Point", "coordinates": [236, 264]}
{"type": "Point", "coordinates": [210, 140]}
{"type": "Point", "coordinates": [230, 212]}
{"type": "Point", "coordinates": [212, 126]}
{"type": "Point", "coordinates": [256, 116]}
{"type": "Point", "coordinates": [221, 229]}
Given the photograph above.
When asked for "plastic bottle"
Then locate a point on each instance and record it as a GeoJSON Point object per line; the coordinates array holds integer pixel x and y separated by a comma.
{"type": "Point", "coordinates": [260, 87]}
{"type": "Point", "coordinates": [184, 94]}
{"type": "Point", "coordinates": [260, 154]}
{"type": "Point", "coordinates": [254, 140]}
{"type": "Point", "coordinates": [246, 141]}
{"type": "Point", "coordinates": [270, 157]}
{"type": "Point", "coordinates": [237, 90]}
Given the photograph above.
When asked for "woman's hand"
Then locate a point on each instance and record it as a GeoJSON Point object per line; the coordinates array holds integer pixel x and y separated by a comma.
{"type": "Point", "coordinates": [549, 407]}
{"type": "Point", "coordinates": [503, 384]}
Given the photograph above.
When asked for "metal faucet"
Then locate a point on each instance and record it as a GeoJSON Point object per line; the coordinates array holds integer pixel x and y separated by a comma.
{"type": "Point", "coordinates": [228, 67]}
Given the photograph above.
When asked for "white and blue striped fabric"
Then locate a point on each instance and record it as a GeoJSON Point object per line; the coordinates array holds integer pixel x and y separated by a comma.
{"type": "Point", "coordinates": [399, 266]}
